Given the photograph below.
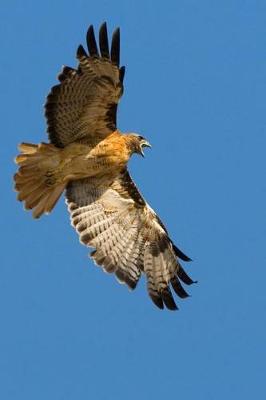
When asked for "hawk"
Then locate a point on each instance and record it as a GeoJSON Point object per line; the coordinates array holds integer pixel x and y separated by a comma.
{"type": "Point", "coordinates": [87, 158]}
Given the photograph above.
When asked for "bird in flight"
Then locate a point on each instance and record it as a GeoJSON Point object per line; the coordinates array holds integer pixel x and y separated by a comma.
{"type": "Point", "coordinates": [87, 158]}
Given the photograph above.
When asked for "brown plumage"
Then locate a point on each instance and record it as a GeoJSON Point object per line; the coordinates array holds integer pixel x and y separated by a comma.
{"type": "Point", "coordinates": [88, 156]}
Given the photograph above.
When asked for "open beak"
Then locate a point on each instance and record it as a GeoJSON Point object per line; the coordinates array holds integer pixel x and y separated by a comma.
{"type": "Point", "coordinates": [144, 143]}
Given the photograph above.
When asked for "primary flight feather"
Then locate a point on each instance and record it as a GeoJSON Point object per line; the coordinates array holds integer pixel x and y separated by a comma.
{"type": "Point", "coordinates": [87, 156]}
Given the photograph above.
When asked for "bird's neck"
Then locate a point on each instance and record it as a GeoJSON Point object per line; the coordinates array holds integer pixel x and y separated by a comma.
{"type": "Point", "coordinates": [132, 142]}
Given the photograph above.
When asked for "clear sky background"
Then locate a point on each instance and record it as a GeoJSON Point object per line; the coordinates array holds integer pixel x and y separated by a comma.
{"type": "Point", "coordinates": [195, 87]}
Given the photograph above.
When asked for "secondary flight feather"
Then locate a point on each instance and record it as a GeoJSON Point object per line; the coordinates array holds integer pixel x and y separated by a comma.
{"type": "Point", "coordinates": [87, 158]}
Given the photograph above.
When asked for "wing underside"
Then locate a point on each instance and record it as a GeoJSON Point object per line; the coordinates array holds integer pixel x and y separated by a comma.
{"type": "Point", "coordinates": [127, 237]}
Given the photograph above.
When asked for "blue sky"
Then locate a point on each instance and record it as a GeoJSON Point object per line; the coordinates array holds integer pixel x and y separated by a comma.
{"type": "Point", "coordinates": [195, 87]}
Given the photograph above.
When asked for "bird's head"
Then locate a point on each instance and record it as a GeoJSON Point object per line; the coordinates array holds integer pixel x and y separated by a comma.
{"type": "Point", "coordinates": [136, 143]}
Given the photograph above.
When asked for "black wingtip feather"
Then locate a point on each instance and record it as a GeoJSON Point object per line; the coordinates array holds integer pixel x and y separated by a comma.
{"type": "Point", "coordinates": [81, 52]}
{"type": "Point", "coordinates": [103, 41]}
{"type": "Point", "coordinates": [122, 73]}
{"type": "Point", "coordinates": [179, 290]}
{"type": "Point", "coordinates": [184, 276]}
{"type": "Point", "coordinates": [169, 300]}
{"type": "Point", "coordinates": [115, 48]}
{"type": "Point", "coordinates": [157, 301]}
{"type": "Point", "coordinates": [91, 42]}
{"type": "Point", "coordinates": [180, 254]}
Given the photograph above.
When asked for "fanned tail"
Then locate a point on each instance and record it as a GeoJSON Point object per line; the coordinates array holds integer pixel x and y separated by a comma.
{"type": "Point", "coordinates": [34, 181]}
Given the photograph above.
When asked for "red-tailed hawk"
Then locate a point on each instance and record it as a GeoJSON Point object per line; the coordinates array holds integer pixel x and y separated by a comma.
{"type": "Point", "coordinates": [87, 156]}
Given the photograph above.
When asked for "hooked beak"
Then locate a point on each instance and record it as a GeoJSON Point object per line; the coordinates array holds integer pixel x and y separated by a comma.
{"type": "Point", "coordinates": [144, 143]}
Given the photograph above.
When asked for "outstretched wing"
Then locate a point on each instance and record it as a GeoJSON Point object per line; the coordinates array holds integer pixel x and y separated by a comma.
{"type": "Point", "coordinates": [128, 237]}
{"type": "Point", "coordinates": [83, 106]}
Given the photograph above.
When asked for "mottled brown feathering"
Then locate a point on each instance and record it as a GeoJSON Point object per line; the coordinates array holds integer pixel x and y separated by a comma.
{"type": "Point", "coordinates": [83, 106]}
{"type": "Point", "coordinates": [88, 157]}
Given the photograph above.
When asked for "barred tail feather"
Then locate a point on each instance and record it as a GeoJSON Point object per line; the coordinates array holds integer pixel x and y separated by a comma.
{"type": "Point", "coordinates": [35, 187]}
